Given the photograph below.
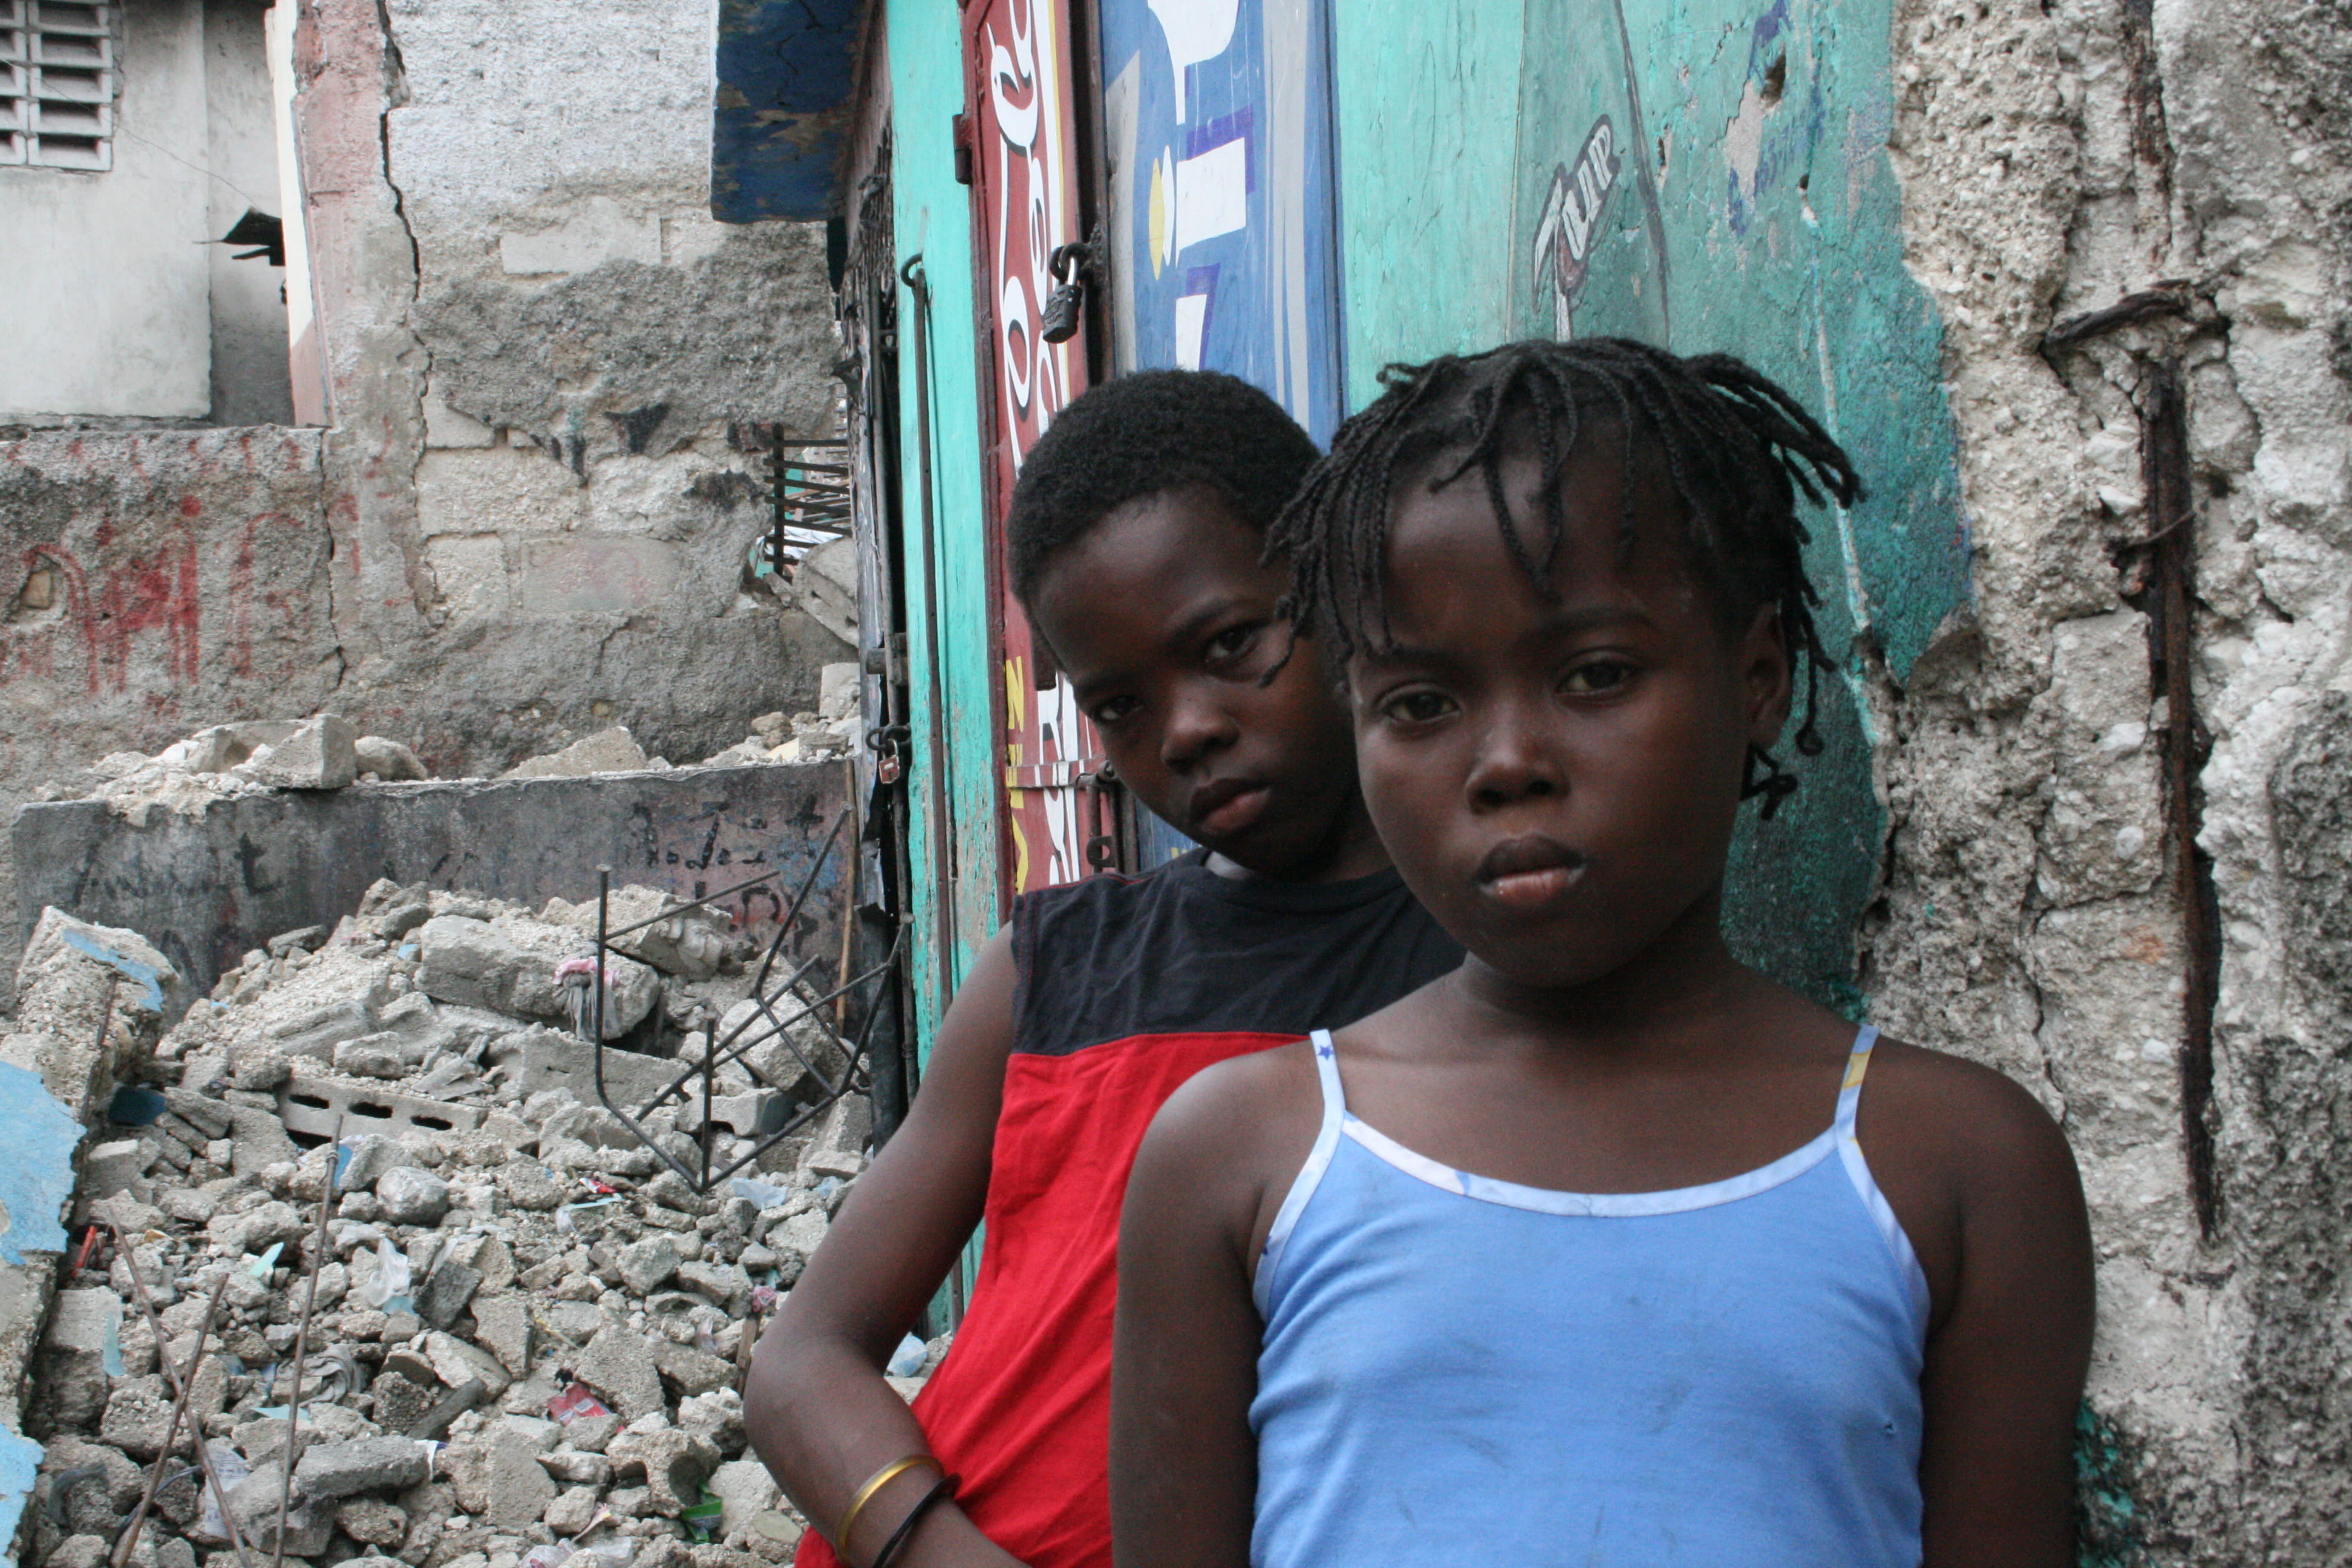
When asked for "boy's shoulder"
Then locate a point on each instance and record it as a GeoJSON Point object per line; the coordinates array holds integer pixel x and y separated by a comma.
{"type": "Point", "coordinates": [1182, 949]}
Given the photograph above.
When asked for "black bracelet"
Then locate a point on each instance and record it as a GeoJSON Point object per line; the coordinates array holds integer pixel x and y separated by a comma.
{"type": "Point", "coordinates": [943, 1486]}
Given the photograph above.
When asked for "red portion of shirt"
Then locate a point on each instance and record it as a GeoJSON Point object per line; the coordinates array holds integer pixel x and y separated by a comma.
{"type": "Point", "coordinates": [1020, 1410]}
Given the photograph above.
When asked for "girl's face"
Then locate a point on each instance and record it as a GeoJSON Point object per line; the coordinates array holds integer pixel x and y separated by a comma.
{"type": "Point", "coordinates": [1558, 780]}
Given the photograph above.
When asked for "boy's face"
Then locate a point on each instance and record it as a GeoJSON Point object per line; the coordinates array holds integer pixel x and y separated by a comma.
{"type": "Point", "coordinates": [1558, 780]}
{"type": "Point", "coordinates": [1162, 617]}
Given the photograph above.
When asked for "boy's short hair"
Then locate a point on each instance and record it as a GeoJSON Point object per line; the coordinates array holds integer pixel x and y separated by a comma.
{"type": "Point", "coordinates": [1142, 434]}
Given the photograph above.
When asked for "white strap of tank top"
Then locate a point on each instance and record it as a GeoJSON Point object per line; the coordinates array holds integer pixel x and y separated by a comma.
{"type": "Point", "coordinates": [1850, 1092]}
{"type": "Point", "coordinates": [1327, 1069]}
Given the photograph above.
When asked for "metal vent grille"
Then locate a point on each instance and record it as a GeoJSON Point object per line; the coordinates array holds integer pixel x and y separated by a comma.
{"type": "Point", "coordinates": [57, 84]}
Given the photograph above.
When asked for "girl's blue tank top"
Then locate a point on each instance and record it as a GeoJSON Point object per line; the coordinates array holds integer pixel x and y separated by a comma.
{"type": "Point", "coordinates": [1460, 1370]}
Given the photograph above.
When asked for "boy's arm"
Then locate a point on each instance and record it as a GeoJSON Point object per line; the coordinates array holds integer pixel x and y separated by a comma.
{"type": "Point", "coordinates": [2005, 1365]}
{"type": "Point", "coordinates": [815, 1404]}
{"type": "Point", "coordinates": [1183, 1460]}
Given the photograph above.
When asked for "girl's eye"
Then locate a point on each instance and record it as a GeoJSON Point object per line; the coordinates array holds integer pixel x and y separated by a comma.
{"type": "Point", "coordinates": [1599, 675]}
{"type": "Point", "coordinates": [1233, 642]}
{"type": "Point", "coordinates": [1111, 709]}
{"type": "Point", "coordinates": [1418, 707]}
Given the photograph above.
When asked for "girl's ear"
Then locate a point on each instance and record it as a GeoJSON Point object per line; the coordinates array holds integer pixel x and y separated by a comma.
{"type": "Point", "coordinates": [1767, 682]}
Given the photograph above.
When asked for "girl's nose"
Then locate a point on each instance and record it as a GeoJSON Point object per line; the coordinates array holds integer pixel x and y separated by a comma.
{"type": "Point", "coordinates": [1512, 763]}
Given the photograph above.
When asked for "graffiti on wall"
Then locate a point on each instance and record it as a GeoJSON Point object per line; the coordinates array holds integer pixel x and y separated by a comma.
{"type": "Point", "coordinates": [1021, 89]}
{"type": "Point", "coordinates": [1711, 174]}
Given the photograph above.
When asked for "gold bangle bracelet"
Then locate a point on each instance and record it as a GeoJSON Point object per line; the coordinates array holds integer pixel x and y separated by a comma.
{"type": "Point", "coordinates": [881, 1477]}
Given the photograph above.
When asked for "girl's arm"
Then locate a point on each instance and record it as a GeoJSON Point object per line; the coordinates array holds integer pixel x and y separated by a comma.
{"type": "Point", "coordinates": [815, 1404]}
{"type": "Point", "coordinates": [1183, 1460]}
{"type": "Point", "coordinates": [2006, 1362]}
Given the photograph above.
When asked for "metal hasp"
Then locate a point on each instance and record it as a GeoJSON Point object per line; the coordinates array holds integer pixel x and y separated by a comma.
{"type": "Point", "coordinates": [795, 1006]}
{"type": "Point", "coordinates": [784, 72]}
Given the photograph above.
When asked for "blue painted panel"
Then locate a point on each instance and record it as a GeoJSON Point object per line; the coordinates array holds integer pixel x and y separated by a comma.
{"type": "Point", "coordinates": [1218, 146]}
{"type": "Point", "coordinates": [37, 1171]}
{"type": "Point", "coordinates": [1218, 140]}
{"type": "Point", "coordinates": [785, 71]}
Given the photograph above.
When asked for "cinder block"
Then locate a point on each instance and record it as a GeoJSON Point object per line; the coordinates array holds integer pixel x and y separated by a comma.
{"type": "Point", "coordinates": [317, 1106]}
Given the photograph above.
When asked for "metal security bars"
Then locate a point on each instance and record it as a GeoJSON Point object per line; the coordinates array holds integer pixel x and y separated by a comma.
{"type": "Point", "coordinates": [801, 1045]}
{"type": "Point", "coordinates": [57, 85]}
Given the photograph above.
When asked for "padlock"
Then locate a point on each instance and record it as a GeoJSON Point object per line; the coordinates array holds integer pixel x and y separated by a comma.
{"type": "Point", "coordinates": [1059, 322]}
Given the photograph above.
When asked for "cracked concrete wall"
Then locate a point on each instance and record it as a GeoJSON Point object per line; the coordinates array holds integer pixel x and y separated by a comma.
{"type": "Point", "coordinates": [2057, 158]}
{"type": "Point", "coordinates": [529, 515]}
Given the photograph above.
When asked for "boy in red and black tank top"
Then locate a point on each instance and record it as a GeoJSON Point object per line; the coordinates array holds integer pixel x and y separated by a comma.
{"type": "Point", "coordinates": [1136, 535]}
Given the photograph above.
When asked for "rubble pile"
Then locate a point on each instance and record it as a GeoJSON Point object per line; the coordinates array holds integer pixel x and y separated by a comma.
{"type": "Point", "coordinates": [324, 752]}
{"type": "Point", "coordinates": [327, 753]}
{"type": "Point", "coordinates": [526, 1334]}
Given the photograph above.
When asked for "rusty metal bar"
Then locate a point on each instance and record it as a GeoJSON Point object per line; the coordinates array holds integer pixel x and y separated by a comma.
{"type": "Point", "coordinates": [2171, 506]}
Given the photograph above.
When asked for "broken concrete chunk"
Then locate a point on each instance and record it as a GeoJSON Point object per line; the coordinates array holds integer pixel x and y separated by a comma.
{"type": "Point", "coordinates": [445, 1292]}
{"type": "Point", "coordinates": [508, 965]}
{"type": "Point", "coordinates": [387, 759]}
{"type": "Point", "coordinates": [362, 1464]}
{"type": "Point", "coordinates": [692, 1371]}
{"type": "Point", "coordinates": [530, 1186]}
{"type": "Point", "coordinates": [619, 1365]}
{"type": "Point", "coordinates": [318, 755]}
{"type": "Point", "coordinates": [675, 1463]}
{"type": "Point", "coordinates": [647, 1264]}
{"type": "Point", "coordinates": [372, 1521]}
{"type": "Point", "coordinates": [457, 1363]}
{"type": "Point", "coordinates": [613, 750]}
{"type": "Point", "coordinates": [411, 1196]}
{"type": "Point", "coordinates": [256, 1228]}
{"type": "Point", "coordinates": [223, 746]}
{"type": "Point", "coordinates": [689, 943]}
{"type": "Point", "coordinates": [744, 1488]}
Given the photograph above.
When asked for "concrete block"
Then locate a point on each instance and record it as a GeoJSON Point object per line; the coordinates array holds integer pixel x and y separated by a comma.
{"type": "Point", "coordinates": [552, 1060]}
{"type": "Point", "coordinates": [595, 575]}
{"type": "Point", "coordinates": [323, 1107]}
{"type": "Point", "coordinates": [469, 571]}
{"type": "Point", "coordinates": [594, 231]}
{"type": "Point", "coordinates": [445, 427]}
{"type": "Point", "coordinates": [362, 1464]}
{"type": "Point", "coordinates": [318, 755]}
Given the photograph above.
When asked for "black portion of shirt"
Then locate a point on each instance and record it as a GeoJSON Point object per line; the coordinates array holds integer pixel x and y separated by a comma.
{"type": "Point", "coordinates": [1183, 949]}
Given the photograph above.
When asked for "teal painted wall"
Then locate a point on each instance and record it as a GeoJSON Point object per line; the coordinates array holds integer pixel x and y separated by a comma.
{"type": "Point", "coordinates": [1744, 204]}
{"type": "Point", "coordinates": [932, 215]}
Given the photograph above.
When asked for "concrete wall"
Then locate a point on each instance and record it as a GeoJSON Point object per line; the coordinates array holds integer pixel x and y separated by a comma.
{"type": "Point", "coordinates": [107, 306]}
{"type": "Point", "coordinates": [206, 888]}
{"type": "Point", "coordinates": [2055, 160]}
{"type": "Point", "coordinates": [529, 515]}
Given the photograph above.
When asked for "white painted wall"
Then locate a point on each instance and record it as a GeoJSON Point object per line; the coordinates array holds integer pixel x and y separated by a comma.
{"type": "Point", "coordinates": [249, 384]}
{"type": "Point", "coordinates": [105, 283]}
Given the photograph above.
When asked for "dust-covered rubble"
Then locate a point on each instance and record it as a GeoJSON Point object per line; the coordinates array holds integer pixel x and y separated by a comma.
{"type": "Point", "coordinates": [528, 1333]}
{"type": "Point", "coordinates": [326, 753]}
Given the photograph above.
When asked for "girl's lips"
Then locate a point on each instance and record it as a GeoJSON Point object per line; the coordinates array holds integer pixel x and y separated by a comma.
{"type": "Point", "coordinates": [1530, 874]}
{"type": "Point", "coordinates": [1231, 811]}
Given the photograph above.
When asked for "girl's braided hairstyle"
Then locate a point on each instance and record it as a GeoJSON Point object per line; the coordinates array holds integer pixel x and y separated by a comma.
{"type": "Point", "coordinates": [1736, 447]}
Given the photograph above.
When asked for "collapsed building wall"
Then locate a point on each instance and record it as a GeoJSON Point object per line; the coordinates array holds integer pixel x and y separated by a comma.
{"type": "Point", "coordinates": [2166, 965]}
{"type": "Point", "coordinates": [549, 377]}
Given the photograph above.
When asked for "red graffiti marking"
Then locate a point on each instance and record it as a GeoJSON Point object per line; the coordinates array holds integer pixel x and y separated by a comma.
{"type": "Point", "coordinates": [149, 593]}
{"type": "Point", "coordinates": [190, 506]}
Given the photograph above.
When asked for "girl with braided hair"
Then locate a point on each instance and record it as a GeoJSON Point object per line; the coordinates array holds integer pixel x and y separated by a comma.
{"type": "Point", "coordinates": [1593, 1250]}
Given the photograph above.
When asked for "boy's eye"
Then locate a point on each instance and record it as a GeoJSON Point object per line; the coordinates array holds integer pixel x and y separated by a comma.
{"type": "Point", "coordinates": [1417, 707]}
{"type": "Point", "coordinates": [1598, 675]}
{"type": "Point", "coordinates": [1111, 709]}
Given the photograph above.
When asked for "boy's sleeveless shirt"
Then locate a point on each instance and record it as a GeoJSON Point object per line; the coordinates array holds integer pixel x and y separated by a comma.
{"type": "Point", "coordinates": [1127, 987]}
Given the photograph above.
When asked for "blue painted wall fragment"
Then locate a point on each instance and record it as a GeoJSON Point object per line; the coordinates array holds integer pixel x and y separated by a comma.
{"type": "Point", "coordinates": [20, 1462]}
{"type": "Point", "coordinates": [36, 1169]}
{"type": "Point", "coordinates": [146, 976]}
{"type": "Point", "coordinates": [784, 67]}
